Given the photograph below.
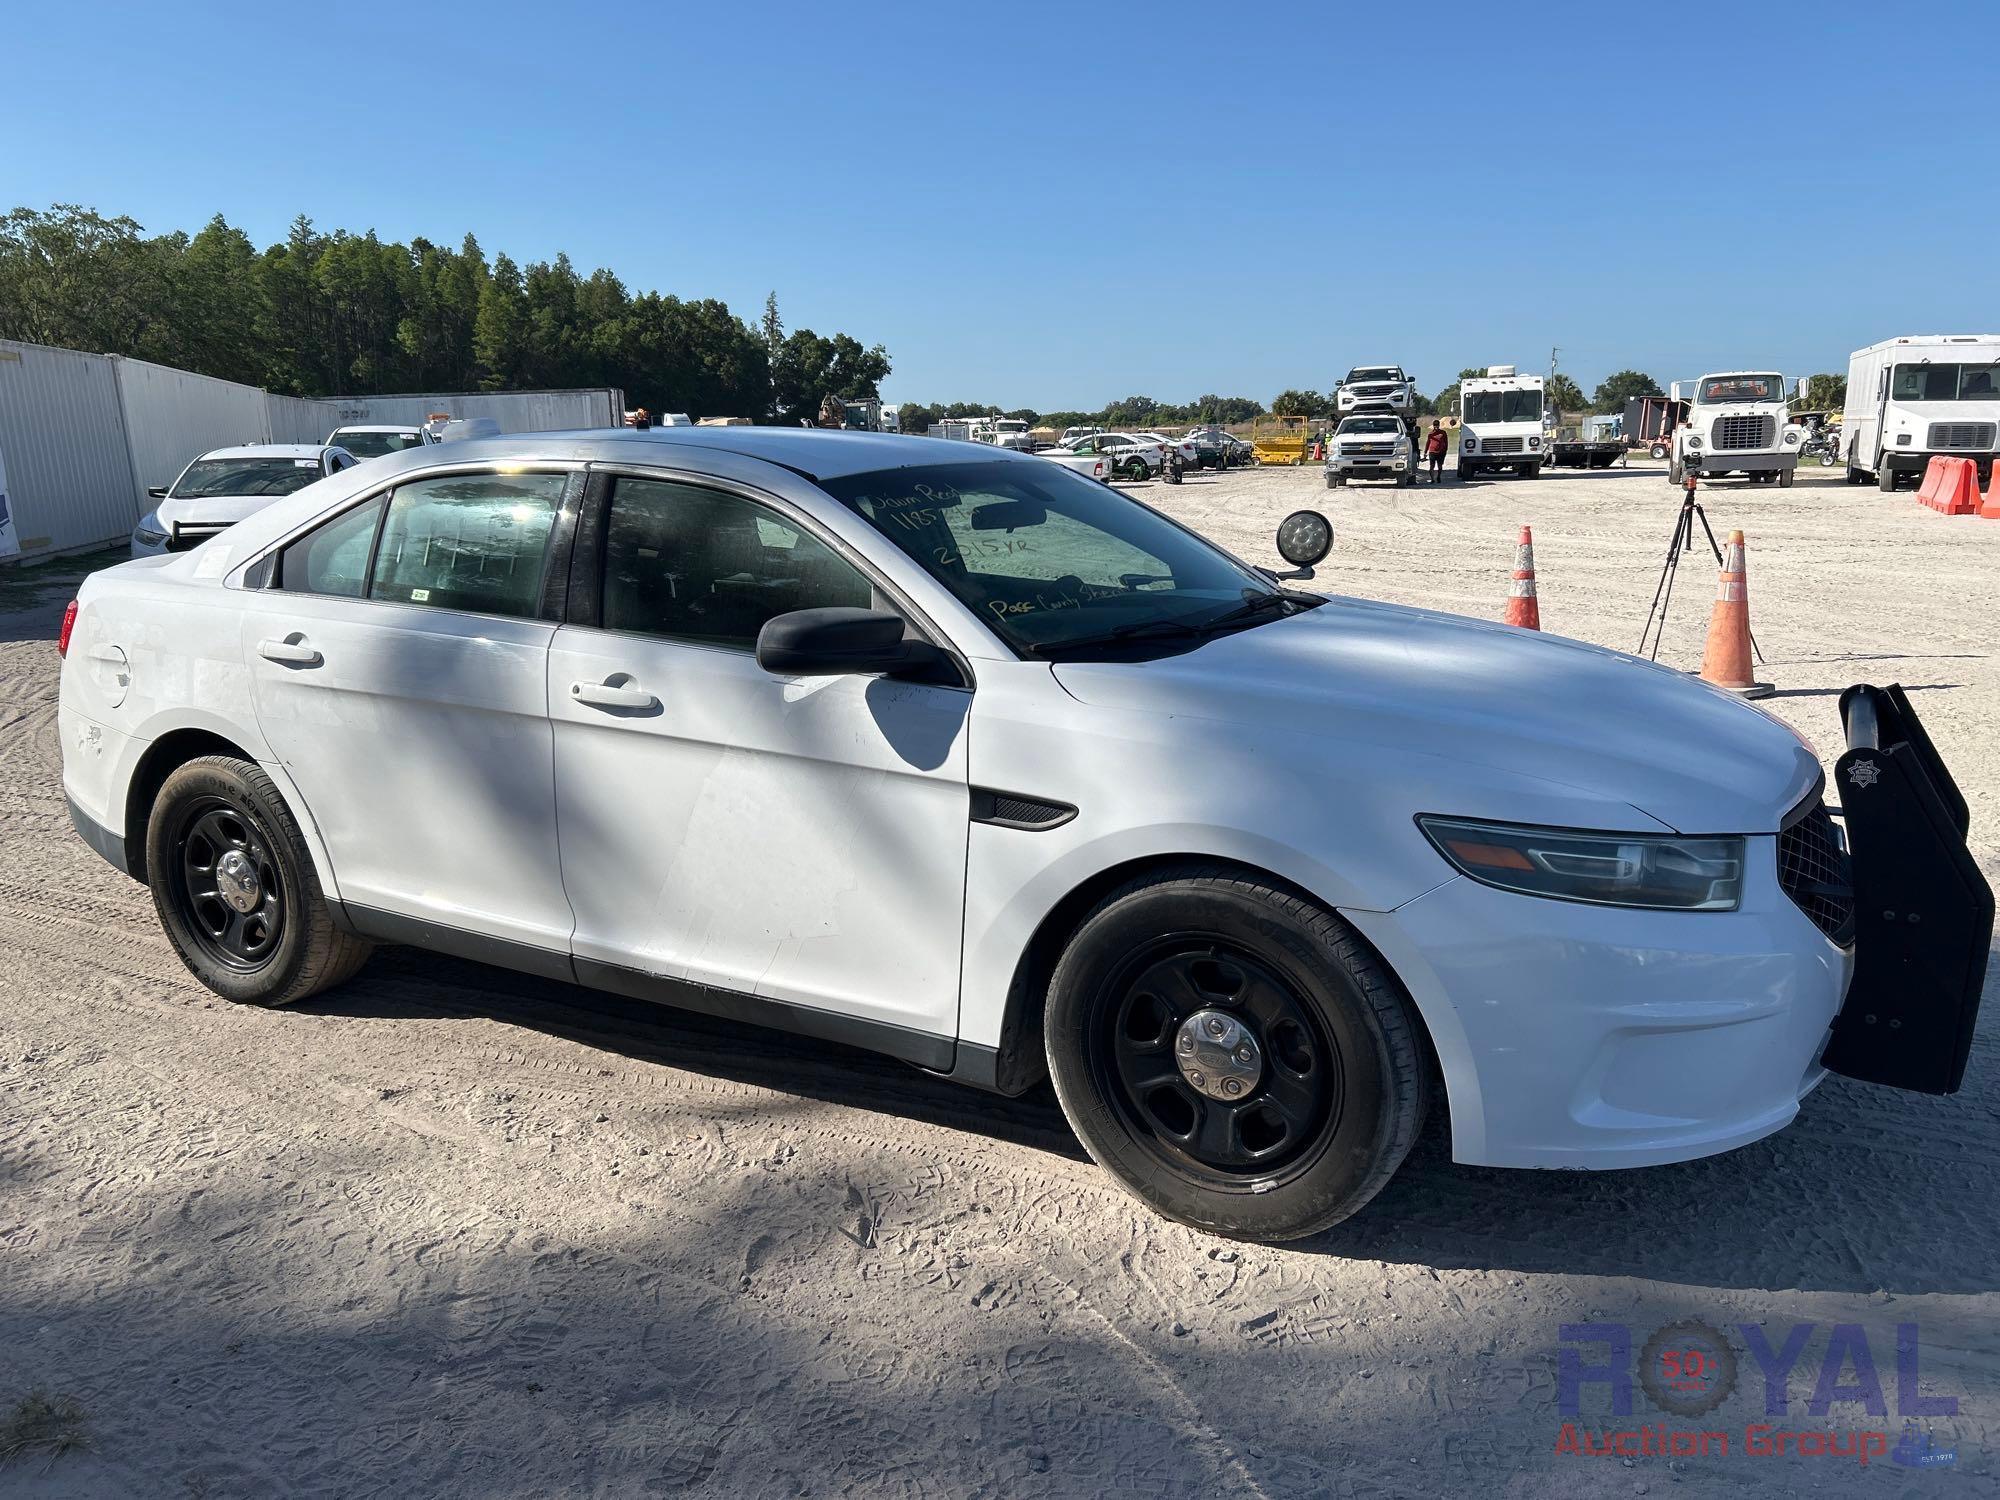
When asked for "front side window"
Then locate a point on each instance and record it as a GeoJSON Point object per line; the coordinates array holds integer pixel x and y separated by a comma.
{"type": "Point", "coordinates": [474, 542]}
{"type": "Point", "coordinates": [1946, 383]}
{"type": "Point", "coordinates": [708, 568]}
{"type": "Point", "coordinates": [1051, 560]}
{"type": "Point", "coordinates": [334, 558]}
{"type": "Point", "coordinates": [245, 476]}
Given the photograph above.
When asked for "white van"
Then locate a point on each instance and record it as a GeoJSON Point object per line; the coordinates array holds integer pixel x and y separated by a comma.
{"type": "Point", "coordinates": [1500, 423]}
{"type": "Point", "coordinates": [1910, 399]}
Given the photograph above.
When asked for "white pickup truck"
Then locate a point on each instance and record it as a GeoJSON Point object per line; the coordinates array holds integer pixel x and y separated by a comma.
{"type": "Point", "coordinates": [1090, 465]}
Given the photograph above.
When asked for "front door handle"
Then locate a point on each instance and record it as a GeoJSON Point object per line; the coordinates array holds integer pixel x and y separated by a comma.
{"type": "Point", "coordinates": [618, 692]}
{"type": "Point", "coordinates": [292, 651]}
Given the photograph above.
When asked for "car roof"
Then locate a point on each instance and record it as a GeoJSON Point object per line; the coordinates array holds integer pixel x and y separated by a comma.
{"type": "Point", "coordinates": [267, 450]}
{"type": "Point", "coordinates": [379, 427]}
{"type": "Point", "coordinates": [815, 453]}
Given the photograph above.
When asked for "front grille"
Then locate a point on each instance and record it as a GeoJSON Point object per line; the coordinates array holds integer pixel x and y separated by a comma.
{"type": "Point", "coordinates": [1961, 435]}
{"type": "Point", "coordinates": [1353, 448]}
{"type": "Point", "coordinates": [1745, 432]}
{"type": "Point", "coordinates": [1500, 445]}
{"type": "Point", "coordinates": [1812, 868]}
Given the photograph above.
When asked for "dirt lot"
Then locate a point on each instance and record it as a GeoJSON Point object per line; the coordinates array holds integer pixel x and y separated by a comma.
{"type": "Point", "coordinates": [454, 1232]}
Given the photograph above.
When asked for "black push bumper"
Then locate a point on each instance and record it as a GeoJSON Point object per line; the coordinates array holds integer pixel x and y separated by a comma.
{"type": "Point", "coordinates": [1923, 912]}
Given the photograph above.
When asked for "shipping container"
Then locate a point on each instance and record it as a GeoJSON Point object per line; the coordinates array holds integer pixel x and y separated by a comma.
{"type": "Point", "coordinates": [62, 445]}
{"type": "Point", "coordinates": [172, 417]}
{"type": "Point", "coordinates": [515, 411]}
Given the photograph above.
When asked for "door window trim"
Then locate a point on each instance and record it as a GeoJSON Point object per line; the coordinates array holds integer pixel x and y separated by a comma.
{"type": "Point", "coordinates": [592, 536]}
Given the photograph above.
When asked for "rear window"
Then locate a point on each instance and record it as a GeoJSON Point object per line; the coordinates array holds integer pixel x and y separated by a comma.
{"type": "Point", "coordinates": [375, 444]}
{"type": "Point", "coordinates": [245, 476]}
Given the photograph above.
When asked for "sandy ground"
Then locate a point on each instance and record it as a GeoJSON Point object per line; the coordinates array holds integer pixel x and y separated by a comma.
{"type": "Point", "coordinates": [455, 1232]}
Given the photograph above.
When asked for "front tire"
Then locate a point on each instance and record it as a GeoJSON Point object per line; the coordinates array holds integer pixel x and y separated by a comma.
{"type": "Point", "coordinates": [1885, 478]}
{"type": "Point", "coordinates": [235, 888]}
{"type": "Point", "coordinates": [1784, 479]}
{"type": "Point", "coordinates": [1234, 1055]}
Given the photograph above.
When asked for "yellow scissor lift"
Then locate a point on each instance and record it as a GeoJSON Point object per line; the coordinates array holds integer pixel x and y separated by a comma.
{"type": "Point", "coordinates": [1280, 440]}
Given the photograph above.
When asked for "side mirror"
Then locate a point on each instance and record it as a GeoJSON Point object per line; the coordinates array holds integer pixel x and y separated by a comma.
{"type": "Point", "coordinates": [842, 641]}
{"type": "Point", "coordinates": [1304, 538]}
{"type": "Point", "coordinates": [156, 492]}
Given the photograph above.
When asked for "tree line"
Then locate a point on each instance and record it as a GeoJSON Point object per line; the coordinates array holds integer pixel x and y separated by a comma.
{"type": "Point", "coordinates": [325, 314]}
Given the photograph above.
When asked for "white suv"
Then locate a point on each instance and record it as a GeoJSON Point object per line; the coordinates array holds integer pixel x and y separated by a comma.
{"type": "Point", "coordinates": [962, 757]}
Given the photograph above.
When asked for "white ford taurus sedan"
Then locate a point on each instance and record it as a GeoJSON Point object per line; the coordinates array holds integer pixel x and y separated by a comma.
{"type": "Point", "coordinates": [959, 756]}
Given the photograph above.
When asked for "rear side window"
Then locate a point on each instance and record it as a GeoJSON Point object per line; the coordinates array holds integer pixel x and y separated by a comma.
{"type": "Point", "coordinates": [333, 559]}
{"type": "Point", "coordinates": [473, 542]}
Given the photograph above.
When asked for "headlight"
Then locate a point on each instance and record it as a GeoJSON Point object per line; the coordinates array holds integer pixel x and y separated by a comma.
{"type": "Point", "coordinates": [1791, 434]}
{"type": "Point", "coordinates": [1694, 442]}
{"type": "Point", "coordinates": [1534, 442]}
{"type": "Point", "coordinates": [1466, 445]}
{"type": "Point", "coordinates": [1902, 440]}
{"type": "Point", "coordinates": [149, 530]}
{"type": "Point", "coordinates": [1609, 869]}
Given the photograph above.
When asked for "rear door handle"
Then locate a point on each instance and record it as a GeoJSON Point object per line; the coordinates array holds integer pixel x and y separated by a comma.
{"type": "Point", "coordinates": [612, 695]}
{"type": "Point", "coordinates": [291, 652]}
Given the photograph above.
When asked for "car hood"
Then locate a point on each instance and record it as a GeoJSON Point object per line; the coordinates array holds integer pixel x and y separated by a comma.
{"type": "Point", "coordinates": [1412, 682]}
{"type": "Point", "coordinates": [211, 510]}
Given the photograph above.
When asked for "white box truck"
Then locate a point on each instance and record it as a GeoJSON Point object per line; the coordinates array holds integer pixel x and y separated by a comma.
{"type": "Point", "coordinates": [1736, 422]}
{"type": "Point", "coordinates": [1500, 423]}
{"type": "Point", "coordinates": [1910, 399]}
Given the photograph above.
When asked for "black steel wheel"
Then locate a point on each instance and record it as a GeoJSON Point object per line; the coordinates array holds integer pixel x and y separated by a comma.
{"type": "Point", "coordinates": [1215, 1061]}
{"type": "Point", "coordinates": [1233, 1054]}
{"type": "Point", "coordinates": [235, 888]}
{"type": "Point", "coordinates": [227, 883]}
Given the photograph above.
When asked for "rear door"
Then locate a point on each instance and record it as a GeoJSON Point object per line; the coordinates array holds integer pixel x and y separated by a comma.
{"type": "Point", "coordinates": [800, 840]}
{"type": "Point", "coordinates": [398, 669]}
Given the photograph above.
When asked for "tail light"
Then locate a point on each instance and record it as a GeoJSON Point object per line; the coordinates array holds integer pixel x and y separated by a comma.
{"type": "Point", "coordinates": [68, 625]}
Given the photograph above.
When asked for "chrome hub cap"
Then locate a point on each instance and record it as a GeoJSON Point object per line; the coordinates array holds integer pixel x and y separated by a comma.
{"type": "Point", "coordinates": [1218, 1056]}
{"type": "Point", "coordinates": [236, 882]}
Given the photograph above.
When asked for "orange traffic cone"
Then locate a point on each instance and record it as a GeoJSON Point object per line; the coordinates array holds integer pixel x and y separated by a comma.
{"type": "Point", "coordinates": [1726, 661]}
{"type": "Point", "coordinates": [1523, 608]}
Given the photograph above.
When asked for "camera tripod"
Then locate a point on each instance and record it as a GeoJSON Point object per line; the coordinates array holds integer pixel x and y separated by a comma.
{"type": "Point", "coordinates": [1679, 544]}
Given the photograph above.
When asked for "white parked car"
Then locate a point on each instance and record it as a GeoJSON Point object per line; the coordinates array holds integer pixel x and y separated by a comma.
{"type": "Point", "coordinates": [1188, 450]}
{"type": "Point", "coordinates": [224, 485]}
{"type": "Point", "coordinates": [955, 755]}
{"type": "Point", "coordinates": [1372, 446]}
{"type": "Point", "coordinates": [367, 440]}
{"type": "Point", "coordinates": [1375, 388]}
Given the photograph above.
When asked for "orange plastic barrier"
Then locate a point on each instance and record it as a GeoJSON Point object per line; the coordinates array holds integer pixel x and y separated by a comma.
{"type": "Point", "coordinates": [1991, 508]}
{"type": "Point", "coordinates": [1523, 607]}
{"type": "Point", "coordinates": [1726, 660]}
{"type": "Point", "coordinates": [1950, 487]}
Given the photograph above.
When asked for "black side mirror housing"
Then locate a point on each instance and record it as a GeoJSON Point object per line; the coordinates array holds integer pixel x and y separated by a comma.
{"type": "Point", "coordinates": [156, 492]}
{"type": "Point", "coordinates": [842, 641]}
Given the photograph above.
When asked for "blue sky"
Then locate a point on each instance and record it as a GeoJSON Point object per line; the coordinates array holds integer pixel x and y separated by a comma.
{"type": "Point", "coordinates": [1055, 206]}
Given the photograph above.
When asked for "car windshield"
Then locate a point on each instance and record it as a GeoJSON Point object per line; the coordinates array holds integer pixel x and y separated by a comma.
{"type": "Point", "coordinates": [375, 444]}
{"type": "Point", "coordinates": [1374, 373]}
{"type": "Point", "coordinates": [1503, 406]}
{"type": "Point", "coordinates": [1369, 424]}
{"type": "Point", "coordinates": [245, 476]}
{"type": "Point", "coordinates": [1054, 562]}
{"type": "Point", "coordinates": [1946, 383]}
{"type": "Point", "coordinates": [1723, 388]}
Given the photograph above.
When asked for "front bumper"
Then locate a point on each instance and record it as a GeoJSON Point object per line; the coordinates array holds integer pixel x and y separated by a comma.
{"type": "Point", "coordinates": [1370, 466]}
{"type": "Point", "coordinates": [1597, 1037]}
{"type": "Point", "coordinates": [1740, 463]}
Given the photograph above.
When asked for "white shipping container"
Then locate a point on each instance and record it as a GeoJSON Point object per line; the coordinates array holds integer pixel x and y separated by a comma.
{"type": "Point", "coordinates": [515, 411]}
{"type": "Point", "coordinates": [174, 416]}
{"type": "Point", "coordinates": [69, 475]}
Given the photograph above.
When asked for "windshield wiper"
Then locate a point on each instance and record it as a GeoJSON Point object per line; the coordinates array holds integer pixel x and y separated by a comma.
{"type": "Point", "coordinates": [1117, 635]}
{"type": "Point", "coordinates": [1251, 607]}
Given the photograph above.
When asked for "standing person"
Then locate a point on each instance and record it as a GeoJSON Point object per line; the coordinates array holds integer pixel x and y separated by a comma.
{"type": "Point", "coordinates": [1434, 448]}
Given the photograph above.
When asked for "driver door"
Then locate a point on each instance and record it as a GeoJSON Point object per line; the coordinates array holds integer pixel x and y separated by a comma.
{"type": "Point", "coordinates": [798, 840]}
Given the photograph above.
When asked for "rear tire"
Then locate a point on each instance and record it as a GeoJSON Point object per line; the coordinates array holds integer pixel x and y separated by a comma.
{"type": "Point", "coordinates": [220, 834]}
{"type": "Point", "coordinates": [1334, 1076]}
{"type": "Point", "coordinates": [1137, 470]}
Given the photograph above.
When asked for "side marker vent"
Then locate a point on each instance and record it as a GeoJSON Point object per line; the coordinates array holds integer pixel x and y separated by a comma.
{"type": "Point", "coordinates": [1011, 810]}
